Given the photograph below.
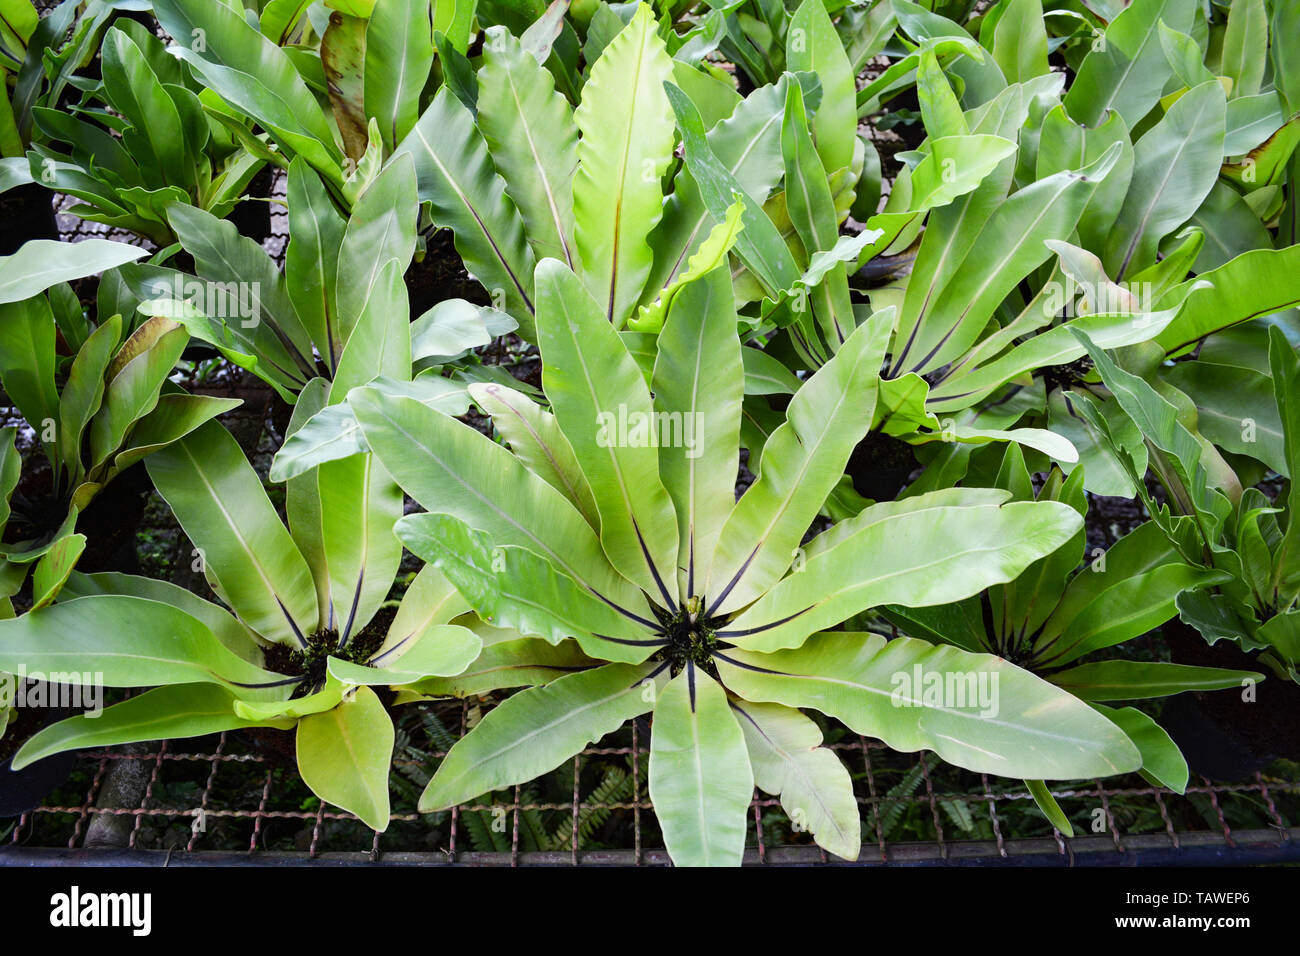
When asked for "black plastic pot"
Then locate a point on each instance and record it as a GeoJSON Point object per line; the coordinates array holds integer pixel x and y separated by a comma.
{"type": "Point", "coordinates": [1222, 736]}
{"type": "Point", "coordinates": [26, 213]}
{"type": "Point", "coordinates": [23, 790]}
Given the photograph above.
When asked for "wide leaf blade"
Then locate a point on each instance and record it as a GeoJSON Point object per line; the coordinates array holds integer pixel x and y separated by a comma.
{"type": "Point", "coordinates": [700, 778]}
{"type": "Point", "coordinates": [976, 711]}
{"type": "Point", "coordinates": [536, 730]}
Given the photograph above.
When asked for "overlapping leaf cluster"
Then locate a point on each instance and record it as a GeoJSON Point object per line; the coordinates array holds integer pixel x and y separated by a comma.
{"type": "Point", "coordinates": [1078, 278]}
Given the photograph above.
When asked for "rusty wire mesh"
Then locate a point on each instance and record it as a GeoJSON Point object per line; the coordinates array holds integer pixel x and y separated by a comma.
{"type": "Point", "coordinates": [1130, 814]}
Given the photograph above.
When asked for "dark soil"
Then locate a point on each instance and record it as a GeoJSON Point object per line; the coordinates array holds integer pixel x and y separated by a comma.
{"type": "Point", "coordinates": [880, 466]}
{"type": "Point", "coordinates": [440, 276]}
{"type": "Point", "coordinates": [1109, 519]}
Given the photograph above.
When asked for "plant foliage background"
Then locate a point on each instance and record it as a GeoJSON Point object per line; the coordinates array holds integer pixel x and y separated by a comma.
{"type": "Point", "coordinates": [622, 354]}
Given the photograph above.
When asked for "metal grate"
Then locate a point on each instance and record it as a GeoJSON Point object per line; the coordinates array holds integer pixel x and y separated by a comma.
{"type": "Point", "coordinates": [228, 799]}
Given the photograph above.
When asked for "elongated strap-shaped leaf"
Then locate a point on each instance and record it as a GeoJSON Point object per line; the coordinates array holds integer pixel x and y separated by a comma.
{"type": "Point", "coordinates": [123, 641]}
{"type": "Point", "coordinates": [312, 257]}
{"type": "Point", "coordinates": [747, 144]}
{"type": "Point", "coordinates": [808, 199]}
{"type": "Point", "coordinates": [379, 340]}
{"type": "Point", "coordinates": [1064, 144]}
{"type": "Point", "coordinates": [700, 778]}
{"type": "Point", "coordinates": [536, 439]}
{"type": "Point", "coordinates": [514, 588]}
{"type": "Point", "coordinates": [602, 405]}
{"type": "Point", "coordinates": [1176, 163]}
{"type": "Point", "coordinates": [285, 706]}
{"type": "Point", "coordinates": [712, 253]}
{"type": "Point", "coordinates": [430, 600]}
{"type": "Point", "coordinates": [1014, 238]}
{"type": "Point", "coordinates": [1159, 422]}
{"type": "Point", "coordinates": [1162, 761]}
{"type": "Point", "coordinates": [915, 558]}
{"type": "Point", "coordinates": [815, 789]}
{"type": "Point", "coordinates": [802, 462]}
{"type": "Point", "coordinates": [399, 55]}
{"type": "Point", "coordinates": [20, 20]}
{"type": "Point", "coordinates": [54, 567]}
{"type": "Point", "coordinates": [164, 713]}
{"type": "Point", "coordinates": [449, 467]}
{"type": "Point", "coordinates": [1138, 680]}
{"type": "Point", "coordinates": [953, 229]}
{"type": "Point", "coordinates": [11, 466]}
{"type": "Point", "coordinates": [759, 244]}
{"type": "Point", "coordinates": [523, 662]}
{"type": "Point", "coordinates": [157, 133]}
{"type": "Point", "coordinates": [43, 263]}
{"type": "Point", "coordinates": [538, 729]}
{"type": "Point", "coordinates": [1132, 556]}
{"type": "Point", "coordinates": [929, 501]}
{"type": "Point", "coordinates": [1053, 347]}
{"type": "Point", "coordinates": [84, 390]}
{"type": "Point", "coordinates": [1128, 609]}
{"type": "Point", "coordinates": [1126, 70]}
{"type": "Point", "coordinates": [626, 145]}
{"type": "Point", "coordinates": [812, 45]}
{"type": "Point", "coordinates": [359, 505]}
{"type": "Point", "coordinates": [381, 230]}
{"type": "Point", "coordinates": [332, 432]}
{"type": "Point", "coordinates": [1245, 46]}
{"type": "Point", "coordinates": [175, 416]}
{"type": "Point", "coordinates": [133, 391]}
{"type": "Point", "coordinates": [982, 77]}
{"type": "Point", "coordinates": [1042, 795]}
{"type": "Point", "coordinates": [302, 504]}
{"type": "Point", "coordinates": [344, 755]}
{"type": "Point", "coordinates": [533, 139]}
{"type": "Point", "coordinates": [1285, 369]}
{"type": "Point", "coordinates": [1254, 284]}
{"type": "Point", "coordinates": [225, 626]}
{"type": "Point", "coordinates": [326, 433]}
{"type": "Point", "coordinates": [252, 74]}
{"type": "Point", "coordinates": [811, 207]}
{"type": "Point", "coordinates": [699, 383]}
{"type": "Point", "coordinates": [974, 710]}
{"type": "Point", "coordinates": [439, 651]}
{"type": "Point", "coordinates": [456, 175]}
{"type": "Point", "coordinates": [1019, 40]}
{"type": "Point", "coordinates": [249, 557]}
{"type": "Point", "coordinates": [28, 360]}
{"type": "Point", "coordinates": [240, 274]}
